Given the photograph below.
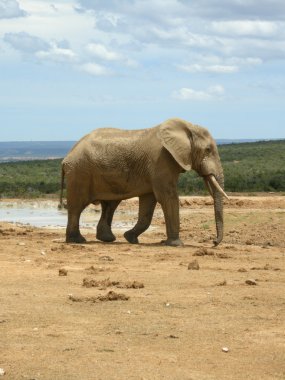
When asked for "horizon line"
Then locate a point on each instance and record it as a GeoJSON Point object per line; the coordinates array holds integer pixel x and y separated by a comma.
{"type": "Point", "coordinates": [218, 138]}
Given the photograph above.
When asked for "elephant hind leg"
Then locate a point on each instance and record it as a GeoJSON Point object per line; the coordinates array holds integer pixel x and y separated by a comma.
{"type": "Point", "coordinates": [73, 234]}
{"type": "Point", "coordinates": [147, 205]}
{"type": "Point", "coordinates": [77, 201]}
{"type": "Point", "coordinates": [104, 231]}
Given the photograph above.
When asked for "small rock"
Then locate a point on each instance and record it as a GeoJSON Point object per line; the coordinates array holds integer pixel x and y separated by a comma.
{"type": "Point", "coordinates": [251, 282]}
{"type": "Point", "coordinates": [106, 258]}
{"type": "Point", "coordinates": [222, 283]}
{"type": "Point", "coordinates": [242, 270]}
{"type": "Point", "coordinates": [91, 269]}
{"type": "Point", "coordinates": [62, 272]}
{"type": "Point", "coordinates": [223, 255]}
{"type": "Point", "coordinates": [132, 285]}
{"type": "Point", "coordinates": [194, 265]}
{"type": "Point", "coordinates": [203, 252]}
{"type": "Point", "coordinates": [2, 372]}
{"type": "Point", "coordinates": [225, 349]}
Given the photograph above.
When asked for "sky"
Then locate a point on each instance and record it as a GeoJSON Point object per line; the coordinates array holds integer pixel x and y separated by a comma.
{"type": "Point", "coordinates": [68, 67]}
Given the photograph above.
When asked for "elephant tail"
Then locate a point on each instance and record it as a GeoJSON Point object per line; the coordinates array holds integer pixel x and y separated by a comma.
{"type": "Point", "coordinates": [61, 205]}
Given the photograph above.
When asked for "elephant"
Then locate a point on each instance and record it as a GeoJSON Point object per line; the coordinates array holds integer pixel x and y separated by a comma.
{"type": "Point", "coordinates": [109, 165]}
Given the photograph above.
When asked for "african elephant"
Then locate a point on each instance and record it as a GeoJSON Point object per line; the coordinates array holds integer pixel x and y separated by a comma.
{"type": "Point", "coordinates": [109, 165]}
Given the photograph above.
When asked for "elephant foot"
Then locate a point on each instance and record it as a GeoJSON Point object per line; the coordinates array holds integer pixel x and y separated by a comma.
{"type": "Point", "coordinates": [131, 237]}
{"type": "Point", "coordinates": [78, 239]}
{"type": "Point", "coordinates": [217, 241]}
{"type": "Point", "coordinates": [173, 242]}
{"type": "Point", "coordinates": [105, 236]}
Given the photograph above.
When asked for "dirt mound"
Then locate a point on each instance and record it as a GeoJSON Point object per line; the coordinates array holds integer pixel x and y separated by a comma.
{"type": "Point", "coordinates": [110, 296]}
{"type": "Point", "coordinates": [106, 283]}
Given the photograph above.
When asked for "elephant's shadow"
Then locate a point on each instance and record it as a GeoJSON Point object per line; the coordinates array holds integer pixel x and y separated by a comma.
{"type": "Point", "coordinates": [154, 244]}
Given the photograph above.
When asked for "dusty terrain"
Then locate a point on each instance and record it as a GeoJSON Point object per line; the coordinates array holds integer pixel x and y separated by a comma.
{"type": "Point", "coordinates": [121, 311]}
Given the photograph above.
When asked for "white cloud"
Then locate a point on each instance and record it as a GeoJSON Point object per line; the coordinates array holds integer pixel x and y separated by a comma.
{"type": "Point", "coordinates": [10, 9]}
{"type": "Point", "coordinates": [169, 11]}
{"type": "Point", "coordinates": [107, 21]}
{"type": "Point", "coordinates": [57, 54]}
{"type": "Point", "coordinates": [100, 51]}
{"type": "Point", "coordinates": [147, 34]}
{"type": "Point", "coordinates": [233, 9]}
{"type": "Point", "coordinates": [248, 61]}
{"type": "Point", "coordinates": [211, 93]}
{"type": "Point", "coordinates": [131, 63]}
{"type": "Point", "coordinates": [25, 42]}
{"type": "Point", "coordinates": [222, 27]}
{"type": "Point", "coordinates": [217, 90]}
{"type": "Point", "coordinates": [198, 68]}
{"type": "Point", "coordinates": [218, 65]}
{"type": "Point", "coordinates": [50, 24]}
{"type": "Point", "coordinates": [39, 48]}
{"type": "Point", "coordinates": [95, 69]}
{"type": "Point", "coordinates": [246, 28]}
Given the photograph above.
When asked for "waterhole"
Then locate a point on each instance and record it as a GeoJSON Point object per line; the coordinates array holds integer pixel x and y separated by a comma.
{"type": "Point", "coordinates": [46, 214]}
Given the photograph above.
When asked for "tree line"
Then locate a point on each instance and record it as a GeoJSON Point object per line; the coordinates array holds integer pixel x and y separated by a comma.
{"type": "Point", "coordinates": [248, 167]}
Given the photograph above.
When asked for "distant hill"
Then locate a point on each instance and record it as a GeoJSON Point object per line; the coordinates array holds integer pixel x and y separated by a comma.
{"type": "Point", "coordinates": [41, 150]}
{"type": "Point", "coordinates": [236, 141]}
{"type": "Point", "coordinates": [33, 150]}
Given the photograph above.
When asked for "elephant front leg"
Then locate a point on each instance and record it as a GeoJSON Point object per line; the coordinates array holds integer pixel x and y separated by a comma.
{"type": "Point", "coordinates": [104, 231]}
{"type": "Point", "coordinates": [147, 204]}
{"type": "Point", "coordinates": [170, 207]}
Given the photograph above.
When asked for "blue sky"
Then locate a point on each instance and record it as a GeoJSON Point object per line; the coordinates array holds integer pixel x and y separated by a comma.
{"type": "Point", "coordinates": [67, 67]}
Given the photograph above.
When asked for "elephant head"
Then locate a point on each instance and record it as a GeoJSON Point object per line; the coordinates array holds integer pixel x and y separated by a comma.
{"type": "Point", "coordinates": [194, 148]}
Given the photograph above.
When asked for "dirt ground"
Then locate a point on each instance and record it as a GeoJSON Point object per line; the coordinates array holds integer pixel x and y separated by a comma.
{"type": "Point", "coordinates": [147, 312]}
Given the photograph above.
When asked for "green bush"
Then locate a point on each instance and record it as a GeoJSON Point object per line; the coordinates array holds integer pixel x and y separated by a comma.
{"type": "Point", "coordinates": [248, 167]}
{"type": "Point", "coordinates": [30, 178]}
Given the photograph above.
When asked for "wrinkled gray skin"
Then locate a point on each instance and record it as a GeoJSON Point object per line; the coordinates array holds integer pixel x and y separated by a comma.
{"type": "Point", "coordinates": [109, 165]}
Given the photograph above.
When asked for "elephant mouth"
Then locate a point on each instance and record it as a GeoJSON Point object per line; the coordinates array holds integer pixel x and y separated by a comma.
{"type": "Point", "coordinates": [212, 184]}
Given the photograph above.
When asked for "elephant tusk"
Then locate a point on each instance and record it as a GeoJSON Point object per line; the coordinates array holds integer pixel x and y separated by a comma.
{"type": "Point", "coordinates": [215, 183]}
{"type": "Point", "coordinates": [208, 186]}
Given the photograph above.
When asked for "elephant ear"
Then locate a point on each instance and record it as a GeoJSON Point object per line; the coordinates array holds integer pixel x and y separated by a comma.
{"type": "Point", "coordinates": [175, 137]}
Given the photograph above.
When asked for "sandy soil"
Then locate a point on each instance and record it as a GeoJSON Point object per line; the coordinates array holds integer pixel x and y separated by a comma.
{"type": "Point", "coordinates": [146, 312]}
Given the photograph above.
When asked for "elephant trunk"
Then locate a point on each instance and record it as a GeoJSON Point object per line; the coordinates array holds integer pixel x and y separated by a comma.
{"type": "Point", "coordinates": [218, 207]}
{"type": "Point", "coordinates": [216, 186]}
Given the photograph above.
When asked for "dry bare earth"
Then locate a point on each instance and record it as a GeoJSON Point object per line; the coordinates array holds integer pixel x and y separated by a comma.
{"type": "Point", "coordinates": [142, 314]}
